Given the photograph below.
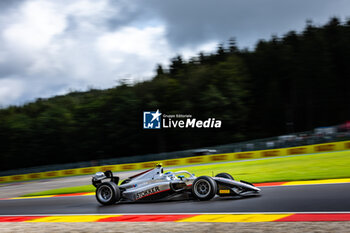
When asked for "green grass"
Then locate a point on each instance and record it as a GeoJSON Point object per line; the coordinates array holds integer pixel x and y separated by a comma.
{"type": "Point", "coordinates": [305, 167]}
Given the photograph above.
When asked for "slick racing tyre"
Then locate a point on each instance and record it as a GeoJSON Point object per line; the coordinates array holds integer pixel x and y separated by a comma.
{"type": "Point", "coordinates": [107, 193]}
{"type": "Point", "coordinates": [204, 188]}
{"type": "Point", "coordinates": [225, 175]}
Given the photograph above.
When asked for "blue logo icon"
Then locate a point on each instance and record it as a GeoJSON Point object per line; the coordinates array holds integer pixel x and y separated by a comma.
{"type": "Point", "coordinates": [151, 120]}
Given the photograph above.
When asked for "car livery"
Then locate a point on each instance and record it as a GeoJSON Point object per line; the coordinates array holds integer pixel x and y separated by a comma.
{"type": "Point", "coordinates": [155, 185]}
{"type": "Point", "coordinates": [147, 192]}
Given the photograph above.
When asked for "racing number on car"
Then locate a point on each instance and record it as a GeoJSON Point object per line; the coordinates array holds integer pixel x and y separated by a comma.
{"type": "Point", "coordinates": [147, 192]}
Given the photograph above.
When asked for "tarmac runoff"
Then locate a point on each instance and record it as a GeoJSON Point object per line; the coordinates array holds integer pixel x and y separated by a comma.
{"type": "Point", "coordinates": [328, 201]}
{"type": "Point", "coordinates": [269, 184]}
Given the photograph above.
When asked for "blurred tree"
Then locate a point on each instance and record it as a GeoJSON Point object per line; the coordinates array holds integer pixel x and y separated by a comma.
{"type": "Point", "coordinates": [293, 83]}
{"type": "Point", "coordinates": [160, 70]}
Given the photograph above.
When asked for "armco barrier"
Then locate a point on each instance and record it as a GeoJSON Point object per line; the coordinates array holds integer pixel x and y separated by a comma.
{"type": "Point", "coordinates": [325, 147]}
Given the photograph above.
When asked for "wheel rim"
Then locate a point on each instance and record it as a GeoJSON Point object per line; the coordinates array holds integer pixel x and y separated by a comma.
{"type": "Point", "coordinates": [202, 188]}
{"type": "Point", "coordinates": [105, 193]}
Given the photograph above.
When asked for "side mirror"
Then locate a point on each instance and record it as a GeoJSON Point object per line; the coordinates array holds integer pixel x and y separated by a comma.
{"type": "Point", "coordinates": [181, 177]}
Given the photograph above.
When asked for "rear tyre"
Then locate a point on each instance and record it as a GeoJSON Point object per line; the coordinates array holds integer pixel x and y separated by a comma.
{"type": "Point", "coordinates": [225, 175]}
{"type": "Point", "coordinates": [204, 188]}
{"type": "Point", "coordinates": [107, 193]}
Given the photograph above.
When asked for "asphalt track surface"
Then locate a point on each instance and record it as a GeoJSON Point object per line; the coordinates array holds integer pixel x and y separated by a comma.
{"type": "Point", "coordinates": [301, 198]}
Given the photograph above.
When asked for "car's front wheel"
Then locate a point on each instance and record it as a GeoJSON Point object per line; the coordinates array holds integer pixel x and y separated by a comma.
{"type": "Point", "coordinates": [225, 175]}
{"type": "Point", "coordinates": [204, 188]}
{"type": "Point", "coordinates": [107, 193]}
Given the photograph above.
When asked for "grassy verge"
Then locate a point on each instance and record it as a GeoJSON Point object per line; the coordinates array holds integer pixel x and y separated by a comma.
{"type": "Point", "coordinates": [306, 167]}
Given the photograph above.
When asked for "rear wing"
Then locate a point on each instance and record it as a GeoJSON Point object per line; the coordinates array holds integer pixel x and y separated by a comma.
{"type": "Point", "coordinates": [100, 176]}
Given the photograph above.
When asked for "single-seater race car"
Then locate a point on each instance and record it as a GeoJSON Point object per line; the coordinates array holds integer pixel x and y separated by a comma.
{"type": "Point", "coordinates": [155, 185]}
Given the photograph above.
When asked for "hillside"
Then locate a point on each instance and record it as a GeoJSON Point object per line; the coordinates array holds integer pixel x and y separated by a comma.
{"type": "Point", "coordinates": [288, 84]}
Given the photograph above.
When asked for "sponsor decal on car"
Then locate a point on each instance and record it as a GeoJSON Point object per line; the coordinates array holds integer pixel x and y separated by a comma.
{"type": "Point", "coordinates": [147, 192]}
{"type": "Point", "coordinates": [224, 191]}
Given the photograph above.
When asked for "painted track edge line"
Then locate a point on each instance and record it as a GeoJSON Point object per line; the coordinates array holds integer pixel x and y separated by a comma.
{"type": "Point", "coordinates": [194, 213]}
{"type": "Point", "coordinates": [290, 217]}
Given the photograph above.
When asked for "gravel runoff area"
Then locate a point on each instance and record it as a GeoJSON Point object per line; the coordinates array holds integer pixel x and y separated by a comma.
{"type": "Point", "coordinates": [174, 227]}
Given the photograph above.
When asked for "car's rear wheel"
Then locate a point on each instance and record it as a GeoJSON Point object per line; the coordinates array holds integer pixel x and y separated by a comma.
{"type": "Point", "coordinates": [225, 175]}
{"type": "Point", "coordinates": [204, 188]}
{"type": "Point", "coordinates": [107, 193]}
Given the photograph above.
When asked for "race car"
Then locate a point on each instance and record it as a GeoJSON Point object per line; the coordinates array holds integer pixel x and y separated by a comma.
{"type": "Point", "coordinates": [155, 185]}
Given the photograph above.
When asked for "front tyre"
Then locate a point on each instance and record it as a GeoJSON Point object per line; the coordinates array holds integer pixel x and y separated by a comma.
{"type": "Point", "coordinates": [204, 188]}
{"type": "Point", "coordinates": [225, 175]}
{"type": "Point", "coordinates": [107, 193]}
